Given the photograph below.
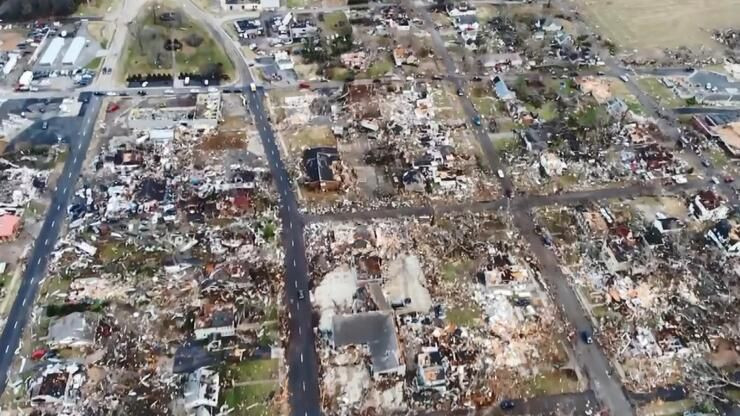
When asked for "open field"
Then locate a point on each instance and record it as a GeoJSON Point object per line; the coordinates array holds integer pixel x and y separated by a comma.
{"type": "Point", "coordinates": [661, 23]}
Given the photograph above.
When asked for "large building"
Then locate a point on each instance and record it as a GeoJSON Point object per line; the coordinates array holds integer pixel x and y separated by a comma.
{"type": "Point", "coordinates": [52, 51]}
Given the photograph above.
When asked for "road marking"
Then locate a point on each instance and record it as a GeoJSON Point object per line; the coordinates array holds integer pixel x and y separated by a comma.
{"type": "Point", "coordinates": [299, 330]}
{"type": "Point", "coordinates": [298, 306]}
{"type": "Point", "coordinates": [24, 301]}
{"type": "Point", "coordinates": [301, 355]}
{"type": "Point", "coordinates": [75, 160]}
{"type": "Point", "coordinates": [293, 262]}
{"type": "Point", "coordinates": [53, 222]}
{"type": "Point", "coordinates": [291, 225]}
{"type": "Point", "coordinates": [46, 242]}
{"type": "Point", "coordinates": [295, 284]}
{"type": "Point", "coordinates": [38, 261]}
{"type": "Point", "coordinates": [304, 383]}
{"type": "Point", "coordinates": [7, 347]}
{"type": "Point", "coordinates": [69, 174]}
{"type": "Point", "coordinates": [292, 243]}
{"type": "Point", "coordinates": [15, 325]}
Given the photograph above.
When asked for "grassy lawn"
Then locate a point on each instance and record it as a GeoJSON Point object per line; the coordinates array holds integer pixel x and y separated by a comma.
{"type": "Point", "coordinates": [339, 73]}
{"type": "Point", "coordinates": [95, 63]}
{"type": "Point", "coordinates": [292, 4]}
{"type": "Point", "coordinates": [337, 22]}
{"type": "Point", "coordinates": [100, 31]}
{"type": "Point", "coordinates": [664, 95]}
{"type": "Point", "coordinates": [506, 145]}
{"type": "Point", "coordinates": [250, 400]}
{"type": "Point", "coordinates": [94, 7]}
{"type": "Point", "coordinates": [457, 271]}
{"type": "Point", "coordinates": [465, 316]}
{"type": "Point", "coordinates": [379, 68]}
{"type": "Point", "coordinates": [146, 52]}
{"type": "Point", "coordinates": [255, 370]}
{"type": "Point", "coordinates": [312, 136]}
{"type": "Point", "coordinates": [718, 158]}
{"type": "Point", "coordinates": [554, 382]}
{"type": "Point", "coordinates": [547, 112]}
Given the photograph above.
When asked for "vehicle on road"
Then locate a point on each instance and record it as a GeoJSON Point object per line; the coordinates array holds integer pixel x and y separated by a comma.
{"type": "Point", "coordinates": [142, 93]}
{"type": "Point", "coordinates": [460, 92]}
{"type": "Point", "coordinates": [586, 337]}
{"type": "Point", "coordinates": [301, 294]}
{"type": "Point", "coordinates": [111, 93]}
{"type": "Point", "coordinates": [253, 87]}
{"type": "Point", "coordinates": [706, 163]}
{"type": "Point", "coordinates": [624, 78]}
{"type": "Point", "coordinates": [195, 90]}
{"type": "Point", "coordinates": [507, 404]}
{"type": "Point", "coordinates": [304, 85]}
{"type": "Point", "coordinates": [98, 93]}
{"type": "Point", "coordinates": [476, 120]}
{"type": "Point", "coordinates": [169, 91]}
{"type": "Point", "coordinates": [500, 173]}
{"type": "Point", "coordinates": [729, 179]}
{"type": "Point", "coordinates": [714, 180]}
{"type": "Point", "coordinates": [212, 89]}
{"type": "Point", "coordinates": [436, 78]}
{"type": "Point", "coordinates": [44, 125]}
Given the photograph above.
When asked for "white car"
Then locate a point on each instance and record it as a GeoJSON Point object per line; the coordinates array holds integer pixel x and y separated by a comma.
{"type": "Point", "coordinates": [212, 89]}
{"type": "Point", "coordinates": [194, 90]}
{"type": "Point", "coordinates": [500, 173]}
{"type": "Point", "coordinates": [169, 91]}
{"type": "Point", "coordinates": [111, 93]}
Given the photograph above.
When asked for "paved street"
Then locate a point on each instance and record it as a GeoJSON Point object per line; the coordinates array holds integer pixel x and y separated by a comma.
{"type": "Point", "coordinates": [303, 372]}
{"type": "Point", "coordinates": [20, 313]}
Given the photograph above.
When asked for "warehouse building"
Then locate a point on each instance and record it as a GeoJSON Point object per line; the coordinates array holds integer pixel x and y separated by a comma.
{"type": "Point", "coordinates": [74, 50]}
{"type": "Point", "coordinates": [52, 51]}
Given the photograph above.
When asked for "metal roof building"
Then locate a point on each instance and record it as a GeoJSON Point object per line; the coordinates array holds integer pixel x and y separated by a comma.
{"type": "Point", "coordinates": [74, 50]}
{"type": "Point", "coordinates": [51, 52]}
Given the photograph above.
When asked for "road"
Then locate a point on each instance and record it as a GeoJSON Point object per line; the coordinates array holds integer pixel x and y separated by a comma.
{"type": "Point", "coordinates": [303, 368]}
{"type": "Point", "coordinates": [553, 405]}
{"type": "Point", "coordinates": [460, 83]}
{"type": "Point", "coordinates": [303, 371]}
{"type": "Point", "coordinates": [44, 245]}
{"type": "Point", "coordinates": [590, 357]}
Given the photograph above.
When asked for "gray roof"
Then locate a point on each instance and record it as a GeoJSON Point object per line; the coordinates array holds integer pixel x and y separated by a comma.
{"type": "Point", "coordinates": [377, 330]}
{"type": "Point", "coordinates": [77, 326]}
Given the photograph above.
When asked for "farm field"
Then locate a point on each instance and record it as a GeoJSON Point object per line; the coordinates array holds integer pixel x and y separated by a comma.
{"type": "Point", "coordinates": [658, 24]}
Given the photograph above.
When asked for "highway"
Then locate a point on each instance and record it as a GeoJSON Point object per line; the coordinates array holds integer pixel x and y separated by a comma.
{"type": "Point", "coordinates": [35, 268]}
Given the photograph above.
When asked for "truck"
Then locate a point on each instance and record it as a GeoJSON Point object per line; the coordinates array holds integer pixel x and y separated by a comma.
{"type": "Point", "coordinates": [253, 87]}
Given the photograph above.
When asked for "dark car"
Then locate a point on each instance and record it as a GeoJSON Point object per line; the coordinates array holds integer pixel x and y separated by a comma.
{"type": "Point", "coordinates": [477, 78]}
{"type": "Point", "coordinates": [460, 92]}
{"type": "Point", "coordinates": [142, 93]}
{"type": "Point", "coordinates": [507, 404]}
{"type": "Point", "coordinates": [706, 163]}
{"type": "Point", "coordinates": [436, 77]}
{"type": "Point", "coordinates": [586, 337]}
{"type": "Point", "coordinates": [123, 94]}
{"type": "Point", "coordinates": [301, 295]}
{"type": "Point", "coordinates": [99, 93]}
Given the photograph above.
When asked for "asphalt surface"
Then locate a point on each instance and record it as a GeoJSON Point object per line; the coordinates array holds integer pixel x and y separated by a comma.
{"type": "Point", "coordinates": [303, 372]}
{"type": "Point", "coordinates": [519, 203]}
{"type": "Point", "coordinates": [591, 358]}
{"type": "Point", "coordinates": [552, 405]}
{"type": "Point", "coordinates": [460, 84]}
{"type": "Point", "coordinates": [35, 268]}
{"type": "Point", "coordinates": [303, 368]}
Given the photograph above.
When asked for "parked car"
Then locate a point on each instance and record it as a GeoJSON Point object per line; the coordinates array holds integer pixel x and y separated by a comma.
{"type": "Point", "coordinates": [507, 404]}
{"type": "Point", "coordinates": [586, 337]}
{"type": "Point", "coordinates": [44, 125]}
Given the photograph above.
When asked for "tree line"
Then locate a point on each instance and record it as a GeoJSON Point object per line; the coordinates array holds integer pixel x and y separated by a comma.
{"type": "Point", "coordinates": [20, 10]}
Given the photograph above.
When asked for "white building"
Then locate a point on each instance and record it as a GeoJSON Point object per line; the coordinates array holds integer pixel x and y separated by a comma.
{"type": "Point", "coordinates": [74, 50]}
{"type": "Point", "coordinates": [201, 391]}
{"type": "Point", "coordinates": [707, 206]}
